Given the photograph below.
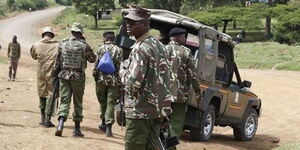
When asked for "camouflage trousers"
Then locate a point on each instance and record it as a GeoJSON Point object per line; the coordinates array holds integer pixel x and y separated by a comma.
{"type": "Point", "coordinates": [46, 105]}
{"type": "Point", "coordinates": [107, 97]}
{"type": "Point", "coordinates": [142, 134]}
{"type": "Point", "coordinates": [69, 88]}
{"type": "Point", "coordinates": [12, 69]}
{"type": "Point", "coordinates": [177, 119]}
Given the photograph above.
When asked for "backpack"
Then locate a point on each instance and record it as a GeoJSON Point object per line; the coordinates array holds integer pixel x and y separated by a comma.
{"type": "Point", "coordinates": [106, 64]}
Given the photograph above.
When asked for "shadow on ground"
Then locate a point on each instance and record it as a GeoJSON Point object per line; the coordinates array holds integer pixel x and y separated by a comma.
{"type": "Point", "coordinates": [260, 141]}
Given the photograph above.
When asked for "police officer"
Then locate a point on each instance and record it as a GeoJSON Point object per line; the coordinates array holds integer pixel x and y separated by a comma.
{"type": "Point", "coordinates": [146, 81]}
{"type": "Point", "coordinates": [108, 85]}
{"type": "Point", "coordinates": [44, 51]}
{"type": "Point", "coordinates": [183, 74]}
{"type": "Point", "coordinates": [73, 54]}
{"type": "Point", "coordinates": [13, 54]}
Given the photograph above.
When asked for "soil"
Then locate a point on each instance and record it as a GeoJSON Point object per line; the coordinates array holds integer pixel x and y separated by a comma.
{"type": "Point", "coordinates": [19, 112]}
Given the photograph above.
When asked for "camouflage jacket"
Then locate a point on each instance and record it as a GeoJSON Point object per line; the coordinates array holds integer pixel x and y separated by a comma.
{"type": "Point", "coordinates": [147, 80]}
{"type": "Point", "coordinates": [14, 50]}
{"type": "Point", "coordinates": [73, 74]}
{"type": "Point", "coordinates": [183, 71]}
{"type": "Point", "coordinates": [117, 57]}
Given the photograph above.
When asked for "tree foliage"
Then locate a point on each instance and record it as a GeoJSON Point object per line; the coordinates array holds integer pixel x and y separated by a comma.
{"type": "Point", "coordinates": [64, 2]}
{"type": "Point", "coordinates": [91, 7]}
{"type": "Point", "coordinates": [287, 29]}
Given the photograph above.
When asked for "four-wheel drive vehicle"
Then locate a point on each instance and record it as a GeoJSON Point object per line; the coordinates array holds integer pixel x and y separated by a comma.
{"type": "Point", "coordinates": [226, 100]}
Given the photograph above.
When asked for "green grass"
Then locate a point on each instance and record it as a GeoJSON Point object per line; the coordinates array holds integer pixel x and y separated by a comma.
{"type": "Point", "coordinates": [266, 55]}
{"type": "Point", "coordinates": [92, 35]}
{"type": "Point", "coordinates": [295, 146]}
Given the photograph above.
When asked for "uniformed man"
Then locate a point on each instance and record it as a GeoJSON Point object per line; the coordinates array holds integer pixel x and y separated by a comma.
{"type": "Point", "coordinates": [146, 81]}
{"type": "Point", "coordinates": [44, 51]}
{"type": "Point", "coordinates": [71, 62]}
{"type": "Point", "coordinates": [13, 54]}
{"type": "Point", "coordinates": [183, 74]}
{"type": "Point", "coordinates": [108, 85]}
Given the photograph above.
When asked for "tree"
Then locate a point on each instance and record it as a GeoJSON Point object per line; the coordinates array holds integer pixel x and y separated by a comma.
{"type": "Point", "coordinates": [288, 22]}
{"type": "Point", "coordinates": [10, 3]}
{"type": "Point", "coordinates": [92, 7]}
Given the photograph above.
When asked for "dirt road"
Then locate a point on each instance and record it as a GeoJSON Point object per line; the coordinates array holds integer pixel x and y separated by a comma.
{"type": "Point", "coordinates": [19, 114]}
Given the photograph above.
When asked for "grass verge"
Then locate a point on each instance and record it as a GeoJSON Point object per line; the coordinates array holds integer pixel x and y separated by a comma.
{"type": "Point", "coordinates": [294, 146]}
{"type": "Point", "coordinates": [268, 55]}
{"type": "Point", "coordinates": [93, 36]}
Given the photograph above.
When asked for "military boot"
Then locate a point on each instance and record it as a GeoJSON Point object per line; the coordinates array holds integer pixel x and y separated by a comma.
{"type": "Point", "coordinates": [42, 117]}
{"type": "Point", "coordinates": [60, 126]}
{"type": "Point", "coordinates": [76, 131]}
{"type": "Point", "coordinates": [48, 123]}
{"type": "Point", "coordinates": [108, 130]}
{"type": "Point", "coordinates": [102, 126]}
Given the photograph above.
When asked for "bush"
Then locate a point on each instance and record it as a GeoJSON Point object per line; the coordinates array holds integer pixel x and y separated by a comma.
{"type": "Point", "coordinates": [287, 29]}
{"type": "Point", "coordinates": [64, 2]}
{"type": "Point", "coordinates": [33, 4]}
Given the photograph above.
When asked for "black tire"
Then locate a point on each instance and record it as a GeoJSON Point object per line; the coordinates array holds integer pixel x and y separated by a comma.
{"type": "Point", "coordinates": [247, 129]}
{"type": "Point", "coordinates": [205, 129]}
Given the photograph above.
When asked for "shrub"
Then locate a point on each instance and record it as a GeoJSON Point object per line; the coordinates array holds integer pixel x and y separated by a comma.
{"type": "Point", "coordinates": [287, 29]}
{"type": "Point", "coordinates": [64, 2]}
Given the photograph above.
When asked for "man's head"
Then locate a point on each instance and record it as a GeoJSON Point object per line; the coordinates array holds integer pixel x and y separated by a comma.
{"type": "Point", "coordinates": [137, 21]}
{"type": "Point", "coordinates": [77, 30]}
{"type": "Point", "coordinates": [108, 36]}
{"type": "Point", "coordinates": [178, 35]}
{"type": "Point", "coordinates": [48, 32]}
{"type": "Point", "coordinates": [14, 39]}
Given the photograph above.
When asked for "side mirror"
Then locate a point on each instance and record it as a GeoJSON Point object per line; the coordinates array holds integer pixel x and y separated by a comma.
{"type": "Point", "coordinates": [246, 84]}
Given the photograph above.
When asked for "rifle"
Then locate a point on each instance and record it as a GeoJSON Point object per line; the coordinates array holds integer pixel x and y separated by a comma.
{"type": "Point", "coordinates": [55, 92]}
{"type": "Point", "coordinates": [55, 85]}
{"type": "Point", "coordinates": [164, 141]}
{"type": "Point", "coordinates": [120, 111]}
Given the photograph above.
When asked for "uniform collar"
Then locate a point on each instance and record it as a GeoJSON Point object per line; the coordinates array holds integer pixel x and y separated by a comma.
{"type": "Point", "coordinates": [174, 43]}
{"type": "Point", "coordinates": [108, 42]}
{"type": "Point", "coordinates": [143, 37]}
{"type": "Point", "coordinates": [140, 39]}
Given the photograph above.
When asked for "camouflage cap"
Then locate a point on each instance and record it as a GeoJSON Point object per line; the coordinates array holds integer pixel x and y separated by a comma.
{"type": "Point", "coordinates": [77, 27]}
{"type": "Point", "coordinates": [137, 13]}
{"type": "Point", "coordinates": [48, 29]}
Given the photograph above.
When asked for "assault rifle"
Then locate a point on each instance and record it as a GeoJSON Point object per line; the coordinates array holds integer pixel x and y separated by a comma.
{"type": "Point", "coordinates": [55, 93]}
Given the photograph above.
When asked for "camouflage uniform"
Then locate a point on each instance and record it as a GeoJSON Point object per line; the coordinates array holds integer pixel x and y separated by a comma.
{"type": "Point", "coordinates": [183, 69]}
{"type": "Point", "coordinates": [73, 54]}
{"type": "Point", "coordinates": [148, 97]}
{"type": "Point", "coordinates": [108, 85]}
{"type": "Point", "coordinates": [13, 54]}
{"type": "Point", "coordinates": [44, 51]}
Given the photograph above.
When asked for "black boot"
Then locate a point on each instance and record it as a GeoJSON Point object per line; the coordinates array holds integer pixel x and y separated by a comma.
{"type": "Point", "coordinates": [48, 123]}
{"type": "Point", "coordinates": [108, 130]}
{"type": "Point", "coordinates": [60, 126]}
{"type": "Point", "coordinates": [76, 131]}
{"type": "Point", "coordinates": [102, 126]}
{"type": "Point", "coordinates": [42, 117]}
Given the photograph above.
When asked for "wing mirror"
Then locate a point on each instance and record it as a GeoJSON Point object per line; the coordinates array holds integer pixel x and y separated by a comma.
{"type": "Point", "coordinates": [246, 84]}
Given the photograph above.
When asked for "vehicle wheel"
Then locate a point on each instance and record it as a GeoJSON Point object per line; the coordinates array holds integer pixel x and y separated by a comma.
{"type": "Point", "coordinates": [248, 127]}
{"type": "Point", "coordinates": [206, 126]}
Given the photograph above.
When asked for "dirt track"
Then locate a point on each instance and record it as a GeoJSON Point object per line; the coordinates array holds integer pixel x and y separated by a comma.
{"type": "Point", "coordinates": [19, 114]}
